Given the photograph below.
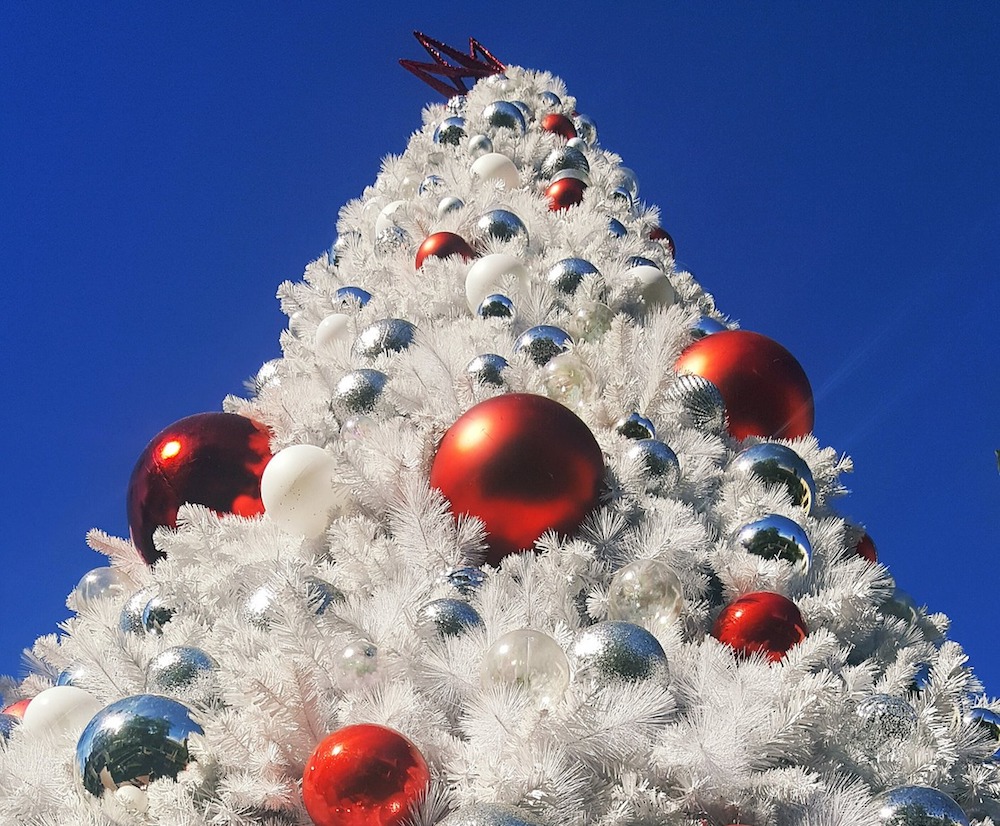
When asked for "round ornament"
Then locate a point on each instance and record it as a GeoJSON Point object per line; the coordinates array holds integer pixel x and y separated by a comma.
{"type": "Point", "coordinates": [298, 491]}
{"type": "Point", "coordinates": [335, 327]}
{"type": "Point", "coordinates": [182, 669]}
{"type": "Point", "coordinates": [635, 426]}
{"type": "Point", "coordinates": [155, 614]}
{"type": "Point", "coordinates": [653, 286]}
{"type": "Point", "coordinates": [568, 274]}
{"type": "Point", "coordinates": [558, 125]}
{"type": "Point", "coordinates": [62, 709]}
{"type": "Point", "coordinates": [530, 659]}
{"type": "Point", "coordinates": [660, 466]}
{"type": "Point", "coordinates": [74, 675]}
{"type": "Point", "coordinates": [776, 537]}
{"type": "Point", "coordinates": [387, 335]}
{"type": "Point", "coordinates": [616, 229]}
{"type": "Point", "coordinates": [364, 775]}
{"type": "Point", "coordinates": [448, 618]}
{"type": "Point", "coordinates": [760, 622]}
{"type": "Point", "coordinates": [450, 131]}
{"type": "Point", "coordinates": [550, 99]}
{"type": "Point", "coordinates": [98, 584]}
{"type": "Point", "coordinates": [487, 275]}
{"type": "Point", "coordinates": [358, 661]}
{"type": "Point", "coordinates": [256, 608]}
{"type": "Point", "coordinates": [766, 390]}
{"type": "Point", "coordinates": [564, 193]}
{"type": "Point", "coordinates": [526, 110]}
{"type": "Point", "coordinates": [865, 548]}
{"type": "Point", "coordinates": [591, 320]}
{"type": "Point", "coordinates": [542, 342]}
{"type": "Point", "coordinates": [466, 580]}
{"type": "Point", "coordinates": [487, 369]}
{"type": "Point", "coordinates": [660, 234]}
{"type": "Point", "coordinates": [430, 184]}
{"type": "Point", "coordinates": [919, 806]}
{"type": "Point", "coordinates": [503, 114]}
{"type": "Point", "coordinates": [480, 145]}
{"type": "Point", "coordinates": [351, 298]}
{"type": "Point", "coordinates": [496, 305]}
{"type": "Point", "coordinates": [782, 466]}
{"type": "Point", "coordinates": [706, 326]}
{"type": "Point", "coordinates": [267, 376]}
{"type": "Point", "coordinates": [447, 204]}
{"type": "Point", "coordinates": [616, 650]}
{"type": "Point", "coordinates": [210, 459]}
{"type": "Point", "coordinates": [646, 592]}
{"type": "Point", "coordinates": [358, 391]}
{"type": "Point", "coordinates": [388, 216]}
{"type": "Point", "coordinates": [523, 464]}
{"type": "Point", "coordinates": [443, 245]}
{"type": "Point", "coordinates": [130, 620]}
{"type": "Point", "coordinates": [320, 594]}
{"type": "Point", "coordinates": [884, 721]}
{"type": "Point", "coordinates": [133, 742]}
{"type": "Point", "coordinates": [586, 128]}
{"type": "Point", "coordinates": [563, 158]}
{"type": "Point", "coordinates": [501, 225]}
{"type": "Point", "coordinates": [987, 721]}
{"type": "Point", "coordinates": [389, 240]}
{"type": "Point", "coordinates": [702, 405]}
{"type": "Point", "coordinates": [496, 167]}
{"type": "Point", "coordinates": [569, 379]}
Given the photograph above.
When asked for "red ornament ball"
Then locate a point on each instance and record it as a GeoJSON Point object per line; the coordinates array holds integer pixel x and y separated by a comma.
{"type": "Point", "coordinates": [660, 234]}
{"type": "Point", "coordinates": [762, 622]}
{"type": "Point", "coordinates": [17, 709]}
{"type": "Point", "coordinates": [523, 464]}
{"type": "Point", "coordinates": [442, 245]}
{"type": "Point", "coordinates": [210, 459]}
{"type": "Point", "coordinates": [564, 193]}
{"type": "Point", "coordinates": [559, 125]}
{"type": "Point", "coordinates": [364, 775]}
{"type": "Point", "coordinates": [866, 548]}
{"type": "Point", "coordinates": [765, 389]}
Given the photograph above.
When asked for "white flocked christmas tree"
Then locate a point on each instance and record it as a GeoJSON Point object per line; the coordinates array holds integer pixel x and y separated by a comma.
{"type": "Point", "coordinates": [653, 617]}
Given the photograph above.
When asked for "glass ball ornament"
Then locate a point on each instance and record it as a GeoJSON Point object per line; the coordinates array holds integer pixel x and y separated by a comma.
{"type": "Point", "coordinates": [298, 491]}
{"type": "Point", "coordinates": [357, 428]}
{"type": "Point", "coordinates": [621, 199]}
{"type": "Point", "coordinates": [8, 722]}
{"type": "Point", "coordinates": [489, 275]}
{"type": "Point", "coordinates": [530, 659]}
{"type": "Point", "coordinates": [586, 128]}
{"type": "Point", "coordinates": [480, 145]}
{"type": "Point", "coordinates": [364, 775]}
{"type": "Point", "coordinates": [133, 742]}
{"type": "Point", "coordinates": [442, 245]}
{"type": "Point", "coordinates": [776, 537]}
{"type": "Point", "coordinates": [702, 405]}
{"type": "Point", "coordinates": [760, 622]}
{"type": "Point", "coordinates": [467, 579]}
{"type": "Point", "coordinates": [565, 157]}
{"type": "Point", "coordinates": [130, 619]}
{"type": "Point", "coordinates": [635, 426]}
{"type": "Point", "coordinates": [494, 166]}
{"type": "Point", "coordinates": [591, 320]}
{"type": "Point", "coordinates": [447, 617]}
{"type": "Point", "coordinates": [450, 131]}
{"type": "Point", "coordinates": [449, 204]}
{"type": "Point", "coordinates": [550, 99]}
{"type": "Point", "coordinates": [501, 225]}
{"type": "Point", "coordinates": [358, 660]}
{"type": "Point", "coordinates": [487, 368]}
{"type": "Point", "coordinates": [706, 326]}
{"type": "Point", "coordinates": [100, 583]}
{"type": "Point", "coordinates": [387, 335]}
{"type": "Point", "coordinates": [569, 379]}
{"type": "Point", "coordinates": [523, 464]}
{"type": "Point", "coordinates": [541, 342]}
{"type": "Point", "coordinates": [626, 180]}
{"type": "Point", "coordinates": [617, 650]}
{"type": "Point", "coordinates": [568, 274]}
{"type": "Point", "coordinates": [503, 114]}
{"type": "Point", "coordinates": [558, 124]}
{"type": "Point", "coordinates": [884, 721]}
{"type": "Point", "coordinates": [987, 721]}
{"type": "Point", "coordinates": [646, 592]}
{"type": "Point", "coordinates": [661, 468]}
{"type": "Point", "coordinates": [350, 298]}
{"type": "Point", "coordinates": [358, 391]}
{"type": "Point", "coordinates": [779, 465]}
{"type": "Point", "coordinates": [210, 459]}
{"type": "Point", "coordinates": [919, 806]}
{"type": "Point", "coordinates": [490, 814]}
{"type": "Point", "coordinates": [391, 215]}
{"type": "Point", "coordinates": [60, 710]}
{"type": "Point", "coordinates": [155, 614]}
{"type": "Point", "coordinates": [184, 671]}
{"type": "Point", "coordinates": [496, 305]}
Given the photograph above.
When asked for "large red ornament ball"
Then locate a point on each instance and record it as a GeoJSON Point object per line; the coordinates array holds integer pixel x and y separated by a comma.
{"type": "Point", "coordinates": [564, 193]}
{"type": "Point", "coordinates": [559, 125]}
{"type": "Point", "coordinates": [658, 233]}
{"type": "Point", "coordinates": [866, 548]}
{"type": "Point", "coordinates": [762, 622]}
{"type": "Point", "coordinates": [765, 389]}
{"type": "Point", "coordinates": [442, 245]}
{"type": "Point", "coordinates": [17, 709]}
{"type": "Point", "coordinates": [210, 459]}
{"type": "Point", "coordinates": [364, 775]}
{"type": "Point", "coordinates": [523, 464]}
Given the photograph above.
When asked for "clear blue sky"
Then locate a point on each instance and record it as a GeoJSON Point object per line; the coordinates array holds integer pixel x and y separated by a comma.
{"type": "Point", "coordinates": [830, 173]}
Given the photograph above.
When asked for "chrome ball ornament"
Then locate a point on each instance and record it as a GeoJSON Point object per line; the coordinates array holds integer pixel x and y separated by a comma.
{"type": "Point", "coordinates": [660, 467]}
{"type": "Point", "coordinates": [635, 426]}
{"type": "Point", "coordinates": [388, 335]}
{"type": "Point", "coordinates": [919, 806]}
{"type": "Point", "coordinates": [702, 405]}
{"type": "Point", "coordinates": [487, 369]}
{"type": "Point", "coordinates": [779, 465]}
{"type": "Point", "coordinates": [504, 114]}
{"type": "Point", "coordinates": [776, 537]}
{"type": "Point", "coordinates": [616, 650]}
{"type": "Point", "coordinates": [565, 157]}
{"type": "Point", "coordinates": [496, 305]}
{"type": "Point", "coordinates": [350, 297]}
{"type": "Point", "coordinates": [358, 391]}
{"type": "Point", "coordinates": [447, 618]}
{"type": "Point", "coordinates": [501, 225]}
{"type": "Point", "coordinates": [885, 721]}
{"type": "Point", "coordinates": [568, 274]}
{"type": "Point", "coordinates": [542, 342]}
{"type": "Point", "coordinates": [450, 131]}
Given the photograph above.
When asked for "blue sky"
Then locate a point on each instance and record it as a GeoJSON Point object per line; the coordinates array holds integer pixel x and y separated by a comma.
{"type": "Point", "coordinates": [830, 174]}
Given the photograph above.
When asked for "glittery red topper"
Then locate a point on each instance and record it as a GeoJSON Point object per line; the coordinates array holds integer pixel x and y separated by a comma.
{"type": "Point", "coordinates": [478, 63]}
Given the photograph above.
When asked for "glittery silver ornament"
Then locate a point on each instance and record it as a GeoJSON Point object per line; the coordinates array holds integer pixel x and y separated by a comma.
{"type": "Point", "coordinates": [503, 114]}
{"type": "Point", "coordinates": [661, 468]}
{"type": "Point", "coordinates": [182, 670]}
{"type": "Point", "coordinates": [525, 110]}
{"type": "Point", "coordinates": [480, 145]}
{"type": "Point", "coordinates": [987, 721]}
{"type": "Point", "coordinates": [495, 305]}
{"type": "Point", "coordinates": [565, 157]}
{"type": "Point", "coordinates": [340, 245]}
{"type": "Point", "coordinates": [130, 620]}
{"type": "Point", "coordinates": [487, 369]}
{"type": "Point", "coordinates": [645, 592]}
{"type": "Point", "coordinates": [542, 342]}
{"type": "Point", "coordinates": [635, 426]}
{"type": "Point", "coordinates": [884, 721]}
{"type": "Point", "coordinates": [776, 537]}
{"type": "Point", "coordinates": [466, 580]}
{"type": "Point", "coordinates": [449, 204]}
{"type": "Point", "coordinates": [320, 594]}
{"type": "Point", "coordinates": [568, 274]}
{"type": "Point", "coordinates": [702, 405]}
{"type": "Point", "coordinates": [432, 183]}
{"type": "Point", "coordinates": [256, 609]}
{"type": "Point", "coordinates": [586, 128]}
{"type": "Point", "coordinates": [8, 722]}
{"type": "Point", "coordinates": [387, 335]}
{"type": "Point", "coordinates": [99, 583]}
{"type": "Point", "coordinates": [390, 239]}
{"type": "Point", "coordinates": [450, 131]}
{"type": "Point", "coordinates": [155, 614]}
{"type": "Point", "coordinates": [490, 814]}
{"type": "Point", "coordinates": [616, 229]}
{"type": "Point", "coordinates": [447, 618]}
{"type": "Point", "coordinates": [267, 376]}
{"type": "Point", "coordinates": [782, 466]}
{"type": "Point", "coordinates": [705, 326]}
{"type": "Point", "coordinates": [919, 806]}
{"type": "Point", "coordinates": [616, 650]}
{"type": "Point", "coordinates": [346, 298]}
{"type": "Point", "coordinates": [501, 225]}
{"type": "Point", "coordinates": [358, 391]}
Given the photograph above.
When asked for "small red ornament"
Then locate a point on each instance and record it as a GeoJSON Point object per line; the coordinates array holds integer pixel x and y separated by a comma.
{"type": "Point", "coordinates": [523, 464]}
{"type": "Point", "coordinates": [762, 622]}
{"type": "Point", "coordinates": [364, 775]}
{"type": "Point", "coordinates": [765, 389]}
{"type": "Point", "coordinates": [564, 193]}
{"type": "Point", "coordinates": [210, 459]}
{"type": "Point", "coordinates": [441, 245]}
{"type": "Point", "coordinates": [660, 234]}
{"type": "Point", "coordinates": [559, 125]}
{"type": "Point", "coordinates": [17, 709]}
{"type": "Point", "coordinates": [866, 548]}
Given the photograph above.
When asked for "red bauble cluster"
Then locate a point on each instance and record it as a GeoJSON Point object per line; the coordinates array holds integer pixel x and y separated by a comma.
{"type": "Point", "coordinates": [523, 464]}
{"type": "Point", "coordinates": [564, 193]}
{"type": "Point", "coordinates": [442, 245]}
{"type": "Point", "coordinates": [559, 125]}
{"type": "Point", "coordinates": [364, 775]}
{"type": "Point", "coordinates": [866, 548]}
{"type": "Point", "coordinates": [765, 389]}
{"type": "Point", "coordinates": [761, 622]}
{"type": "Point", "coordinates": [210, 459]}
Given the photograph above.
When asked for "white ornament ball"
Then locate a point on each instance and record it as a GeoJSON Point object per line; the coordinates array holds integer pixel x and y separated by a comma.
{"type": "Point", "coordinates": [62, 709]}
{"type": "Point", "coordinates": [530, 659]}
{"type": "Point", "coordinates": [487, 274]}
{"type": "Point", "coordinates": [297, 489]}
{"type": "Point", "coordinates": [387, 217]}
{"type": "Point", "coordinates": [654, 286]}
{"type": "Point", "coordinates": [493, 165]}
{"type": "Point", "coordinates": [335, 327]}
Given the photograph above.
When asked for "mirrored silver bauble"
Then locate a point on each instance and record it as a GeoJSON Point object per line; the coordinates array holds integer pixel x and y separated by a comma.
{"type": "Point", "coordinates": [267, 376]}
{"type": "Point", "coordinates": [358, 391]}
{"type": "Point", "coordinates": [565, 157]}
{"type": "Point", "coordinates": [74, 675]}
{"type": "Point", "coordinates": [156, 614]}
{"type": "Point", "coordinates": [885, 721]}
{"type": "Point", "coordinates": [340, 245]}
{"type": "Point", "coordinates": [8, 722]}
{"type": "Point", "coordinates": [621, 198]}
{"type": "Point", "coordinates": [450, 131]}
{"type": "Point", "coordinates": [645, 592]}
{"type": "Point", "coordinates": [919, 806]}
{"type": "Point", "coordinates": [782, 466]}
{"type": "Point", "coordinates": [256, 608]}
{"type": "Point", "coordinates": [501, 225]}
{"type": "Point", "coordinates": [640, 261]}
{"type": "Point", "coordinates": [542, 342]}
{"type": "Point", "coordinates": [466, 580]}
{"type": "Point", "coordinates": [988, 721]}
{"type": "Point", "coordinates": [130, 620]}
{"type": "Point", "coordinates": [550, 99]}
{"type": "Point", "coordinates": [390, 239]}
{"type": "Point", "coordinates": [525, 110]}
{"type": "Point", "coordinates": [133, 742]}
{"type": "Point", "coordinates": [586, 128]}
{"type": "Point", "coordinates": [183, 670]}
{"type": "Point", "coordinates": [448, 618]}
{"type": "Point", "coordinates": [487, 369]}
{"type": "Point", "coordinates": [495, 305]}
{"type": "Point", "coordinates": [490, 814]}
{"type": "Point", "coordinates": [347, 298]}
{"type": "Point", "coordinates": [568, 274]}
{"type": "Point", "coordinates": [776, 537]}
{"type": "Point", "coordinates": [635, 426]}
{"type": "Point", "coordinates": [705, 326]}
{"type": "Point", "coordinates": [387, 335]}
{"type": "Point", "coordinates": [100, 583]}
{"type": "Point", "coordinates": [702, 405]}
{"type": "Point", "coordinates": [616, 650]}
{"type": "Point", "coordinates": [320, 594]}
{"type": "Point", "coordinates": [480, 145]}
{"type": "Point", "coordinates": [661, 468]}
{"type": "Point", "coordinates": [449, 204]}
{"type": "Point", "coordinates": [616, 229]}
{"type": "Point", "coordinates": [432, 183]}
{"type": "Point", "coordinates": [503, 114]}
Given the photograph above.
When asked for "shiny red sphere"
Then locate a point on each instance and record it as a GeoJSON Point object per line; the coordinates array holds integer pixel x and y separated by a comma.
{"type": "Point", "coordinates": [660, 234]}
{"type": "Point", "coordinates": [564, 193]}
{"type": "Point", "coordinates": [364, 775]}
{"type": "Point", "coordinates": [866, 548]}
{"type": "Point", "coordinates": [559, 125]}
{"type": "Point", "coordinates": [17, 709]}
{"type": "Point", "coordinates": [762, 622]}
{"type": "Point", "coordinates": [765, 389]}
{"type": "Point", "coordinates": [210, 459]}
{"type": "Point", "coordinates": [523, 464]}
{"type": "Point", "coordinates": [442, 245]}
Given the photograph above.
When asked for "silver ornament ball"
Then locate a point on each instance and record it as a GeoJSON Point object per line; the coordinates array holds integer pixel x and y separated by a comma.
{"type": "Point", "coordinates": [130, 619]}
{"type": "Point", "coordinates": [776, 537]}
{"type": "Point", "coordinates": [256, 609]}
{"type": "Point", "coordinates": [495, 305]}
{"type": "Point", "coordinates": [779, 465]}
{"type": "Point", "coordinates": [350, 297]}
{"type": "Point", "coordinates": [525, 110]}
{"type": "Point", "coordinates": [183, 669]}
{"type": "Point", "coordinates": [466, 580]}
{"type": "Point", "coordinates": [635, 426]}
{"type": "Point", "coordinates": [885, 721]}
{"type": "Point", "coordinates": [616, 650]}
{"type": "Point", "coordinates": [660, 467]}
{"type": "Point", "coordinates": [320, 594]}
{"type": "Point", "coordinates": [358, 391]}
{"type": "Point", "coordinates": [565, 157]}
{"type": "Point", "coordinates": [705, 326]}
{"type": "Point", "coordinates": [542, 342]}
{"type": "Point", "coordinates": [702, 405]}
{"type": "Point", "coordinates": [480, 145]}
{"type": "Point", "coordinates": [490, 814]}
{"type": "Point", "coordinates": [988, 721]}
{"type": "Point", "coordinates": [919, 806]}
{"type": "Point", "coordinates": [568, 274]}
{"type": "Point", "coordinates": [503, 114]}
{"type": "Point", "coordinates": [586, 128]}
{"type": "Point", "coordinates": [449, 204]}
{"type": "Point", "coordinates": [447, 618]}
{"type": "Point", "coordinates": [487, 369]}
{"type": "Point", "coordinates": [616, 229]}
{"type": "Point", "coordinates": [99, 583]}
{"type": "Point", "coordinates": [450, 131]}
{"type": "Point", "coordinates": [387, 335]}
{"type": "Point", "coordinates": [155, 614]}
{"type": "Point", "coordinates": [432, 183]}
{"type": "Point", "coordinates": [550, 99]}
{"type": "Point", "coordinates": [501, 225]}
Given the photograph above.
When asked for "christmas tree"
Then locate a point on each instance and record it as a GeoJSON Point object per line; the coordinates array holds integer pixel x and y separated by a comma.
{"type": "Point", "coordinates": [520, 529]}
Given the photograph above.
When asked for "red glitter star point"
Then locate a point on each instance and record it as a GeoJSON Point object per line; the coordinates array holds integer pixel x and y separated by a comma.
{"type": "Point", "coordinates": [447, 78]}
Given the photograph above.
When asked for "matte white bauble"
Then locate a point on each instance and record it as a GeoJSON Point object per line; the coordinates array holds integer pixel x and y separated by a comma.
{"type": "Point", "coordinates": [297, 489]}
{"type": "Point", "coordinates": [493, 165]}
{"type": "Point", "coordinates": [654, 286]}
{"type": "Point", "coordinates": [487, 274]}
{"type": "Point", "coordinates": [335, 327]}
{"type": "Point", "coordinates": [387, 217]}
{"type": "Point", "coordinates": [62, 709]}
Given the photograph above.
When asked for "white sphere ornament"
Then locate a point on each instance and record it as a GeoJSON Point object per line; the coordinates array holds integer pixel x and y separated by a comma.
{"type": "Point", "coordinates": [654, 286]}
{"type": "Point", "coordinates": [530, 659]}
{"type": "Point", "coordinates": [62, 709]}
{"type": "Point", "coordinates": [487, 275]}
{"type": "Point", "coordinates": [335, 327]}
{"type": "Point", "coordinates": [297, 489]}
{"type": "Point", "coordinates": [494, 166]}
{"type": "Point", "coordinates": [645, 592]}
{"type": "Point", "coordinates": [387, 217]}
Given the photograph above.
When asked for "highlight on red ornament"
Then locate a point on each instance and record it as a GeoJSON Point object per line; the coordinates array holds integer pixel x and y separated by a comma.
{"type": "Point", "coordinates": [866, 548]}
{"type": "Point", "coordinates": [765, 389]}
{"type": "Point", "coordinates": [523, 464]}
{"type": "Point", "coordinates": [210, 459]}
{"type": "Point", "coordinates": [761, 622]}
{"type": "Point", "coordinates": [564, 193]}
{"type": "Point", "coordinates": [442, 245]}
{"type": "Point", "coordinates": [364, 775]}
{"type": "Point", "coordinates": [558, 125]}
{"type": "Point", "coordinates": [17, 709]}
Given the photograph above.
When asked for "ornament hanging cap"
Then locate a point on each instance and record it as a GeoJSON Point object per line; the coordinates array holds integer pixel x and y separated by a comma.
{"type": "Point", "coordinates": [478, 63]}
